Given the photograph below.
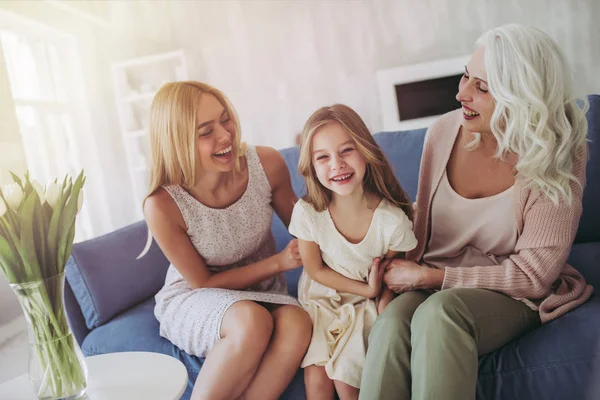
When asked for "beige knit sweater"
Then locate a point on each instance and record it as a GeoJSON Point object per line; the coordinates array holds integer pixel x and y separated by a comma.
{"type": "Point", "coordinates": [537, 272]}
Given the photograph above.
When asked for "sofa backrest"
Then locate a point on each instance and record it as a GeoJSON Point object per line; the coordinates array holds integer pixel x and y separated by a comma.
{"type": "Point", "coordinates": [589, 225]}
{"type": "Point", "coordinates": [403, 150]}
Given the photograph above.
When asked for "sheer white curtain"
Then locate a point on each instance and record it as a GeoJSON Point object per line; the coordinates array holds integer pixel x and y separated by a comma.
{"type": "Point", "coordinates": [41, 66]}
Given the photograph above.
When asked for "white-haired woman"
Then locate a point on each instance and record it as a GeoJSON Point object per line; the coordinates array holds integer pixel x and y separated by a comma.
{"type": "Point", "coordinates": [497, 209]}
{"type": "Point", "coordinates": [210, 207]}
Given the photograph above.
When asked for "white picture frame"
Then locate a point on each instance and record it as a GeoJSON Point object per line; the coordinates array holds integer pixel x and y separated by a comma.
{"type": "Point", "coordinates": [387, 80]}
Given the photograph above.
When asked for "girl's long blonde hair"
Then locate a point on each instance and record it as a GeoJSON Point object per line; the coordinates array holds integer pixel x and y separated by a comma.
{"type": "Point", "coordinates": [379, 178]}
{"type": "Point", "coordinates": [173, 133]}
{"type": "Point", "coordinates": [536, 115]}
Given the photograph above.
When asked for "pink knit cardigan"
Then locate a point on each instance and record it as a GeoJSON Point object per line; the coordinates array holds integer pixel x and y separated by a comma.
{"type": "Point", "coordinates": [536, 273]}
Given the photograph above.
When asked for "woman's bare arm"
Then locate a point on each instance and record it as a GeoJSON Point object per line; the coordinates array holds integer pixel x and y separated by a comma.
{"type": "Point", "coordinates": [284, 198]}
{"type": "Point", "coordinates": [168, 228]}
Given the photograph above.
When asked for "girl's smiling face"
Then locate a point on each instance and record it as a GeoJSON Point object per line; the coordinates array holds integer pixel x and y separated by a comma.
{"type": "Point", "coordinates": [338, 164]}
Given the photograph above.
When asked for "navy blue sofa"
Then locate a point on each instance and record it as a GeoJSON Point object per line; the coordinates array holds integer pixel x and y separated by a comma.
{"type": "Point", "coordinates": [110, 296]}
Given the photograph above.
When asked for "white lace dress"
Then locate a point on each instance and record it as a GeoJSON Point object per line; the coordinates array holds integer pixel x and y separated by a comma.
{"type": "Point", "coordinates": [225, 238]}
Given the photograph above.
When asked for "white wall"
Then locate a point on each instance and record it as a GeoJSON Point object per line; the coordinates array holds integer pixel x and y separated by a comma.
{"type": "Point", "coordinates": [280, 61]}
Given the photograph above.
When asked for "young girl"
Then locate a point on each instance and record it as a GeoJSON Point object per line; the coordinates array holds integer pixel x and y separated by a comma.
{"type": "Point", "coordinates": [354, 214]}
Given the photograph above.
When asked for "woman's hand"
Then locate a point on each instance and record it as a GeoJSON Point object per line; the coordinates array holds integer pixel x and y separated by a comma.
{"type": "Point", "coordinates": [403, 276]}
{"type": "Point", "coordinates": [289, 258]}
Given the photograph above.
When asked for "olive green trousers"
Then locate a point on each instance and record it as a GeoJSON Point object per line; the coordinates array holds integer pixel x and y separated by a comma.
{"type": "Point", "coordinates": [425, 346]}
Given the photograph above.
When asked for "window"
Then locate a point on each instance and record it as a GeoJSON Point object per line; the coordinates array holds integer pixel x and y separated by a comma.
{"type": "Point", "coordinates": [37, 67]}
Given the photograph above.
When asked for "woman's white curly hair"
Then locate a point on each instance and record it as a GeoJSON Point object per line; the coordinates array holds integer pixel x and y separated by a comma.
{"type": "Point", "coordinates": [536, 115]}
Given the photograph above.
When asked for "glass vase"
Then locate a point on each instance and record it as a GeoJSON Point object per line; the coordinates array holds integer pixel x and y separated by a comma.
{"type": "Point", "coordinates": [57, 367]}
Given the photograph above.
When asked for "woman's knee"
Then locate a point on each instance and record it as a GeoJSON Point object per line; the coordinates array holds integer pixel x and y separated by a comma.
{"type": "Point", "coordinates": [439, 309]}
{"type": "Point", "coordinates": [293, 327]}
{"type": "Point", "coordinates": [398, 314]}
{"type": "Point", "coordinates": [247, 323]}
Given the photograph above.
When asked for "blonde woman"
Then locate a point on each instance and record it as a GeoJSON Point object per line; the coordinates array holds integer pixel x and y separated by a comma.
{"type": "Point", "coordinates": [210, 207]}
{"type": "Point", "coordinates": [354, 213]}
{"type": "Point", "coordinates": [498, 206]}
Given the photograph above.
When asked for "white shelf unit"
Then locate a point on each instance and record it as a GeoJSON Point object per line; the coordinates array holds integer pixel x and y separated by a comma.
{"type": "Point", "coordinates": [136, 81]}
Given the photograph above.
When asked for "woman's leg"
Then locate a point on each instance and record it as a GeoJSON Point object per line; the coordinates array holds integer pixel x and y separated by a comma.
{"type": "Point", "coordinates": [291, 337]}
{"type": "Point", "coordinates": [345, 391]}
{"type": "Point", "coordinates": [386, 373]}
{"type": "Point", "coordinates": [230, 365]}
{"type": "Point", "coordinates": [317, 383]}
{"type": "Point", "coordinates": [451, 329]}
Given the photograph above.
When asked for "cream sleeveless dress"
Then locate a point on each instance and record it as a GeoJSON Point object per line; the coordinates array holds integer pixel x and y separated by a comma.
{"type": "Point", "coordinates": [342, 321]}
{"type": "Point", "coordinates": [225, 238]}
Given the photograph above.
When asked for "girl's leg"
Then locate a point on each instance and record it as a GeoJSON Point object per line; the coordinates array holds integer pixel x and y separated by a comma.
{"type": "Point", "coordinates": [345, 391]}
{"type": "Point", "coordinates": [281, 360]}
{"type": "Point", "coordinates": [317, 383]}
{"type": "Point", "coordinates": [386, 373]}
{"type": "Point", "coordinates": [451, 329]}
{"type": "Point", "coordinates": [230, 365]}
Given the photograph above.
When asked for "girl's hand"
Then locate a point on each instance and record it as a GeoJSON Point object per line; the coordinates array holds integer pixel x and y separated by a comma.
{"type": "Point", "coordinates": [375, 280]}
{"type": "Point", "coordinates": [289, 258]}
{"type": "Point", "coordinates": [403, 276]}
{"type": "Point", "coordinates": [384, 299]}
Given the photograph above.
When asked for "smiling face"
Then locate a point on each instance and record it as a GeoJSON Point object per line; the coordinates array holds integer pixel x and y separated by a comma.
{"type": "Point", "coordinates": [473, 94]}
{"type": "Point", "coordinates": [337, 162]}
{"type": "Point", "coordinates": [215, 132]}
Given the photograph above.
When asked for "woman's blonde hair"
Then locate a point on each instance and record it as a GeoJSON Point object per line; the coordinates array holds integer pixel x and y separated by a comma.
{"type": "Point", "coordinates": [173, 150]}
{"type": "Point", "coordinates": [379, 178]}
{"type": "Point", "coordinates": [536, 115]}
{"type": "Point", "coordinates": [173, 137]}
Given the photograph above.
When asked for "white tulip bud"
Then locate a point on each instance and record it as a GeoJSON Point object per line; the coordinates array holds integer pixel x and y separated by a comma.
{"type": "Point", "coordinates": [2, 207]}
{"type": "Point", "coordinates": [13, 195]}
{"type": "Point", "coordinates": [39, 189]}
{"type": "Point", "coordinates": [53, 193]}
{"type": "Point", "coordinates": [80, 201]}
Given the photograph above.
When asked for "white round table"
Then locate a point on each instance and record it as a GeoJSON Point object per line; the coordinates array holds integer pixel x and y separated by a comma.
{"type": "Point", "coordinates": [119, 376]}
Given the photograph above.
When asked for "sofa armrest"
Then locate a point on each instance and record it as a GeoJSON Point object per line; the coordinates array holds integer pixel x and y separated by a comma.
{"type": "Point", "coordinates": [74, 315]}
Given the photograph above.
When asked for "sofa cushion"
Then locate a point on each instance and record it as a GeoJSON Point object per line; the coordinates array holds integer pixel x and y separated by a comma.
{"type": "Point", "coordinates": [403, 150]}
{"type": "Point", "coordinates": [138, 330]}
{"type": "Point", "coordinates": [538, 365]}
{"type": "Point", "coordinates": [291, 156]}
{"type": "Point", "coordinates": [589, 225]}
{"type": "Point", "coordinates": [560, 360]}
{"type": "Point", "coordinates": [585, 257]}
{"type": "Point", "coordinates": [107, 279]}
